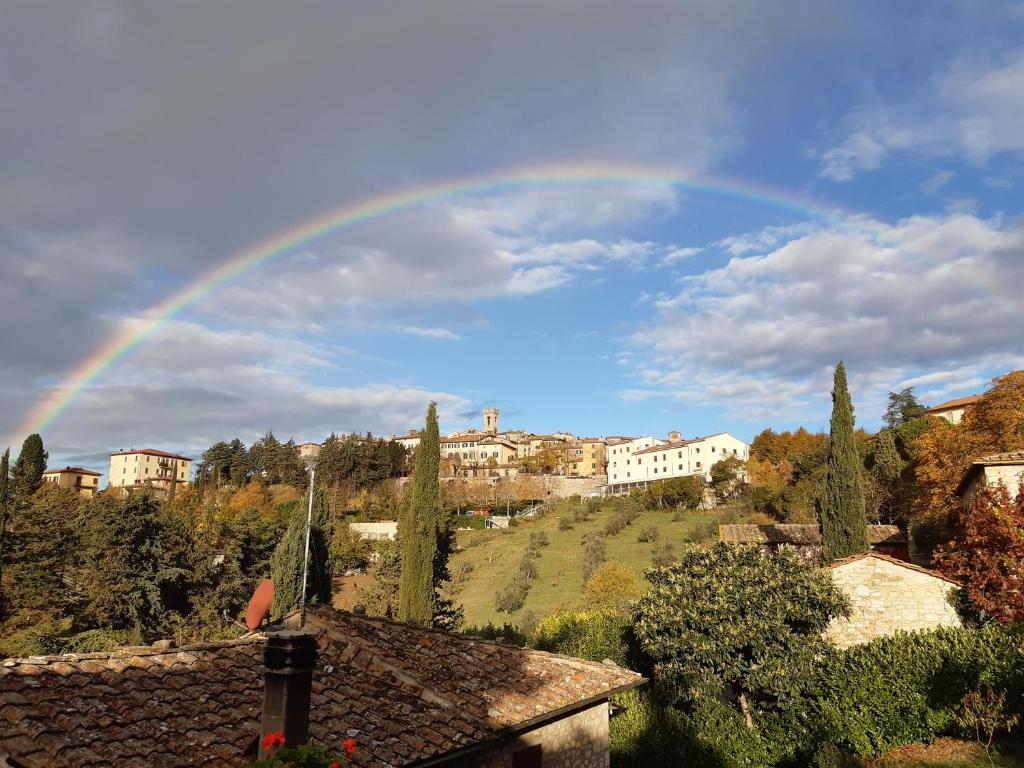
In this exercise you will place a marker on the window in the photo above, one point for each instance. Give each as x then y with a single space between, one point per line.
696 450
655 470
627 474
680 467
698 465
733 451
530 757
638 461
680 456
712 449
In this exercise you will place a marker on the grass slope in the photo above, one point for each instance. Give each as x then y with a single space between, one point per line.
494 557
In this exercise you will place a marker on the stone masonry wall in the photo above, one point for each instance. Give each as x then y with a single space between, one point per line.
887 597
578 741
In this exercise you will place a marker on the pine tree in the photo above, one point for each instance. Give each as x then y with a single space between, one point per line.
27 474
286 564
842 510
420 530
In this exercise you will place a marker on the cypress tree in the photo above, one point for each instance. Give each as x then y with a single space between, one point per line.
888 463
421 528
27 475
286 564
842 511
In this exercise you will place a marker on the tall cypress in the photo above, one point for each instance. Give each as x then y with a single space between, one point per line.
28 471
888 464
842 511
421 528
286 563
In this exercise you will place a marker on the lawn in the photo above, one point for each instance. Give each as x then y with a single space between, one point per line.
494 556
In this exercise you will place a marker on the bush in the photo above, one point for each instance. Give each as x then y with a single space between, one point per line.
584 634
649 533
511 597
506 633
664 554
564 524
538 539
594 554
614 524
582 514
906 688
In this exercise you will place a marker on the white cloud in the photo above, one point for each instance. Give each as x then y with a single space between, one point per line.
973 110
894 301
431 333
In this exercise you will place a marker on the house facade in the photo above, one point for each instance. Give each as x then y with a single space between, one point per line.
149 467
953 410
887 596
1006 468
84 482
637 463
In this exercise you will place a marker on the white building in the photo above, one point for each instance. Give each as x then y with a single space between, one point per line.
639 462
148 466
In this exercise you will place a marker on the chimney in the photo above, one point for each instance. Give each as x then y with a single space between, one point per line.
289 658
674 436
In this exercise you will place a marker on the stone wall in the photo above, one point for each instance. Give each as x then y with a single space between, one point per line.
886 597
577 741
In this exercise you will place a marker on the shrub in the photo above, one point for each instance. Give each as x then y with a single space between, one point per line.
593 506
594 553
906 688
511 597
649 533
564 524
613 587
506 633
582 514
664 554
538 539
590 635
614 524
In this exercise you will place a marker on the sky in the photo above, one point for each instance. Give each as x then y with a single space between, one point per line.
824 182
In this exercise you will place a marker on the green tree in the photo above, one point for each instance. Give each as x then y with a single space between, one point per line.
889 464
735 621
122 572
726 477
27 475
842 511
424 531
41 551
287 562
903 408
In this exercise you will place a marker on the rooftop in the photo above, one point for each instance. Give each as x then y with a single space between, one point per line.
950 405
73 471
152 452
678 443
788 533
404 693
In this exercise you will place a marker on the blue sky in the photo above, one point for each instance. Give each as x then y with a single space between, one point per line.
145 143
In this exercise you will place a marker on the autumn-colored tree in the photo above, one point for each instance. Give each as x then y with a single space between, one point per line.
612 587
986 554
944 452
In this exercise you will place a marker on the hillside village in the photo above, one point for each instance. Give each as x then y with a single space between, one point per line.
674 535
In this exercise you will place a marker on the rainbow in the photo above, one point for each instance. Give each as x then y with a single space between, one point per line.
120 344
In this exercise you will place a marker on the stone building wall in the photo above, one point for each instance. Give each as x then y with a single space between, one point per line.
886 597
577 741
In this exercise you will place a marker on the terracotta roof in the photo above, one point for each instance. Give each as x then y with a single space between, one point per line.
73 471
677 443
403 692
152 452
788 533
894 561
949 405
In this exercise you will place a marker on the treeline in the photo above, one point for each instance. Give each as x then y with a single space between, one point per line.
355 460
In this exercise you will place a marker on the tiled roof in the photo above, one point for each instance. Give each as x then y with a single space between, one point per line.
152 452
784 533
959 402
894 561
72 470
677 443
1007 457
403 692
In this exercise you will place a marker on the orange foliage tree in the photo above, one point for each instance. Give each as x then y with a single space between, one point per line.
987 554
944 452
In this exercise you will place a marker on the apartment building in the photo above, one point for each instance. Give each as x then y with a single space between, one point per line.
84 481
149 466
637 463
478 449
587 458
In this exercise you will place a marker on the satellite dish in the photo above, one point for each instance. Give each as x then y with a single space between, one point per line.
259 604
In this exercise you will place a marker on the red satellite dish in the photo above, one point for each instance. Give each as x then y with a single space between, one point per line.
259 604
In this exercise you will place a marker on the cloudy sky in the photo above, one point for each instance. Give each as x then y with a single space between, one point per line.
857 174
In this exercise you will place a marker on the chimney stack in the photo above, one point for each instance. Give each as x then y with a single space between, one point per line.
289 658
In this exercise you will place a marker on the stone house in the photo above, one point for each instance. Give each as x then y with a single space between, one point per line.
407 695
886 539
889 595
1007 468
82 481
953 410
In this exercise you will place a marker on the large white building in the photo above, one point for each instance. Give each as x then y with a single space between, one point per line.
148 466
638 462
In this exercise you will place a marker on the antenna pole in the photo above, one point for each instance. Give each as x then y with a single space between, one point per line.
305 560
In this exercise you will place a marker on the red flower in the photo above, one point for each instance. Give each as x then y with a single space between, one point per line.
349 745
274 739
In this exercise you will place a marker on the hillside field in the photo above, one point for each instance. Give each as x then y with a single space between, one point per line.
493 557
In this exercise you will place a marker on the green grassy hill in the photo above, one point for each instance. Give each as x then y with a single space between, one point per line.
486 560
